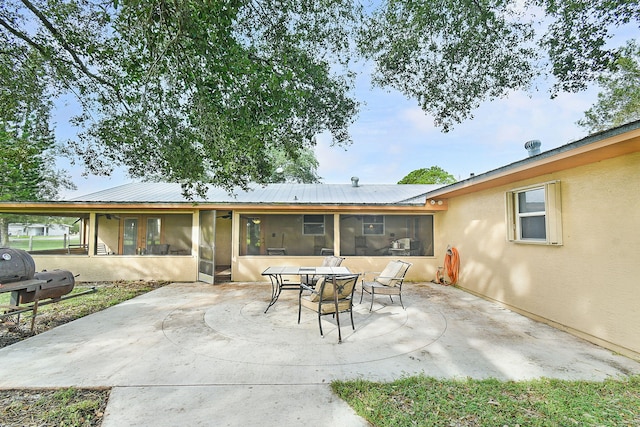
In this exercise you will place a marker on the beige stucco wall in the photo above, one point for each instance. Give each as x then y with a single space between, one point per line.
178 232
122 267
591 284
249 268
223 241
109 233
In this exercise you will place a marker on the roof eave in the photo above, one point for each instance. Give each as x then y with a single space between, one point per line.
593 148
67 206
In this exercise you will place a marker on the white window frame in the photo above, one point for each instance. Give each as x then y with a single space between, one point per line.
552 214
372 228
312 225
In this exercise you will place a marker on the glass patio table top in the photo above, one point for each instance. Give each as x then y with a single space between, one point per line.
278 283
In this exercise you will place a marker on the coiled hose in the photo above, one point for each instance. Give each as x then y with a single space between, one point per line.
452 264
452 267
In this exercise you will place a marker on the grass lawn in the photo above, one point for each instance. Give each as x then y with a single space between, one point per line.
41 243
424 401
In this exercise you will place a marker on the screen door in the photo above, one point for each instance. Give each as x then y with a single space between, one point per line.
206 252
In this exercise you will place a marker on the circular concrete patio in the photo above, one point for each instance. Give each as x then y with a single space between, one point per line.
385 332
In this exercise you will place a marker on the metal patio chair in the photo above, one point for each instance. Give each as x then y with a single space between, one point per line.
388 282
322 300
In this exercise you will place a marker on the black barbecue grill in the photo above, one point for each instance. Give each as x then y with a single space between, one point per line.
18 276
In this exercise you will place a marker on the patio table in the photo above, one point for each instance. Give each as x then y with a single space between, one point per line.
278 284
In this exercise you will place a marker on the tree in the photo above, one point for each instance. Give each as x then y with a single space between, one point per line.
619 101
432 175
27 148
27 145
451 55
194 91
197 92
302 169
29 172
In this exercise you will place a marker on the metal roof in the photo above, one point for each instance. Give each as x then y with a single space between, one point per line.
530 161
290 194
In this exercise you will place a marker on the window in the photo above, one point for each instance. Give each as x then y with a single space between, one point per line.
534 214
313 225
130 236
286 234
153 231
373 225
404 235
141 234
313 234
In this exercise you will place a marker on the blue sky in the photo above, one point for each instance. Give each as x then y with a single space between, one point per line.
392 136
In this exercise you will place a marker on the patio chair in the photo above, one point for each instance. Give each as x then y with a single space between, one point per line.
328 261
321 299
388 282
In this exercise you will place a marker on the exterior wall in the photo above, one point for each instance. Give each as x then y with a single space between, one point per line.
109 233
589 285
249 268
178 232
122 267
223 241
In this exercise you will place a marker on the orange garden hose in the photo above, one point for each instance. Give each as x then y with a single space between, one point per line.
452 264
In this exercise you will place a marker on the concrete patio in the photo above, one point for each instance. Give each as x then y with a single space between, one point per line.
197 354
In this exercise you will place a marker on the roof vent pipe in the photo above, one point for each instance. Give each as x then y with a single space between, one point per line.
354 181
533 147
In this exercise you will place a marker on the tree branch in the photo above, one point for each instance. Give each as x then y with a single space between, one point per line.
23 36
56 34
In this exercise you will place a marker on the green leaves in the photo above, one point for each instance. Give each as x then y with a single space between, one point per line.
453 55
450 55
197 92
23 162
26 140
191 91
212 86
432 175
619 101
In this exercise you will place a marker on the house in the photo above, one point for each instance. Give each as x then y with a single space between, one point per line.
556 236
553 236
17 229
151 231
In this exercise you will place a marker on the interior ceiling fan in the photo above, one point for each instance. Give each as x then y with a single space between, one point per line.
109 216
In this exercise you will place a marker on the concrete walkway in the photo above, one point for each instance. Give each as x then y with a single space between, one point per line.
195 354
